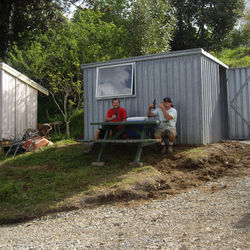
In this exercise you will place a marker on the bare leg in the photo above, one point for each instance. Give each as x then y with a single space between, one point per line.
171 140
157 136
96 137
162 143
97 134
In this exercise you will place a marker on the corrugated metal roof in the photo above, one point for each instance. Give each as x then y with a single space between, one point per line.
23 78
156 56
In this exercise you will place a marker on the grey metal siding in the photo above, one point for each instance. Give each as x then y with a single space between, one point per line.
239 103
178 77
211 101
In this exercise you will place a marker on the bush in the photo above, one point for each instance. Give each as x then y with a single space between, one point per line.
235 58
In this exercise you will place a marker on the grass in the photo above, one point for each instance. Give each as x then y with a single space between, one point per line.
33 184
238 57
195 152
60 177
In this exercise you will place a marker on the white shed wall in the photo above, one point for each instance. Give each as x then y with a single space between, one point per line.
18 108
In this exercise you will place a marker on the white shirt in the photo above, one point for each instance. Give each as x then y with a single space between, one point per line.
167 123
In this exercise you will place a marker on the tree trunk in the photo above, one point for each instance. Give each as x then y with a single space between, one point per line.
67 129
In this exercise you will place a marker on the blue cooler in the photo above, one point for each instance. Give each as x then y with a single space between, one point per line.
131 132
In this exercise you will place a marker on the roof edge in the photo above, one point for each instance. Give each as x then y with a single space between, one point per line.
23 78
153 57
214 58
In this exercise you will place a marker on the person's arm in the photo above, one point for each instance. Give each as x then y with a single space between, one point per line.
150 113
124 115
109 117
165 113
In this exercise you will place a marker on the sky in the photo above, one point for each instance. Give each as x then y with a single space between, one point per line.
247 3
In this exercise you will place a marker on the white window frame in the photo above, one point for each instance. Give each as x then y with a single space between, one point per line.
132 90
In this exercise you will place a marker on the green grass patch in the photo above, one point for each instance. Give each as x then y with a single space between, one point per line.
235 58
34 183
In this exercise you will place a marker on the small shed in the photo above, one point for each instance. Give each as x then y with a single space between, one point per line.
194 79
18 102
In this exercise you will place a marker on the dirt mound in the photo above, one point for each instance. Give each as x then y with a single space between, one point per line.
190 167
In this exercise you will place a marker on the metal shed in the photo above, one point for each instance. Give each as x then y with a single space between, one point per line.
194 79
18 102
239 103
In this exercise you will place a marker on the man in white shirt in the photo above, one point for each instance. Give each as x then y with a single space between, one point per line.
168 117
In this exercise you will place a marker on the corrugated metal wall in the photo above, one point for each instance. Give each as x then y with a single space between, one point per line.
239 103
213 95
18 107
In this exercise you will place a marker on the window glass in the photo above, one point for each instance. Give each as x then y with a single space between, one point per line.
115 81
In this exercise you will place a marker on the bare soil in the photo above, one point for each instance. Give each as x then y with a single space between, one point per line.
189 167
183 171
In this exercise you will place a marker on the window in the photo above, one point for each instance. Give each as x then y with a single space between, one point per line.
114 81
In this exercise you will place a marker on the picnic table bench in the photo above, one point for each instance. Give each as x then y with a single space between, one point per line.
143 130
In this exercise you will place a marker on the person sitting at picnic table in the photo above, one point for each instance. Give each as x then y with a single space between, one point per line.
114 114
167 128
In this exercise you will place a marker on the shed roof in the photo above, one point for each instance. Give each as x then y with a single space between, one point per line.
23 78
156 56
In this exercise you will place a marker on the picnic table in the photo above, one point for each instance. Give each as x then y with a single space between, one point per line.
143 130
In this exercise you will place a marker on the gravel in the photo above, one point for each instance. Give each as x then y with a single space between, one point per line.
214 216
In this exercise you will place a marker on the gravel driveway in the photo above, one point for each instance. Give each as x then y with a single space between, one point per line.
214 216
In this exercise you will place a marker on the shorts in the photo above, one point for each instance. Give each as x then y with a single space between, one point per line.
114 130
162 132
102 133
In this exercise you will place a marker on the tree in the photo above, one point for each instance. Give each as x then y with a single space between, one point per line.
147 24
98 40
53 59
151 26
205 23
21 21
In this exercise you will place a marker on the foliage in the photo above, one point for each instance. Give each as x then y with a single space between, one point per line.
116 11
238 57
22 20
98 40
205 23
151 26
53 59
147 24
76 128
240 36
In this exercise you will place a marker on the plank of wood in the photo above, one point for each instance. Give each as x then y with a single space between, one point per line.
127 141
